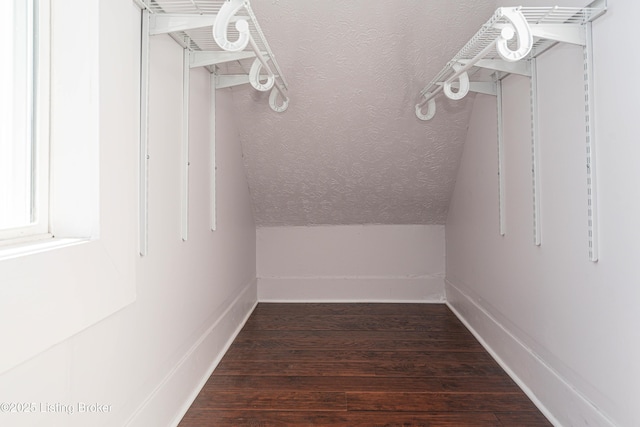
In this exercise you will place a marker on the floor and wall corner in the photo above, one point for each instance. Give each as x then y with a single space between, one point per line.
563 326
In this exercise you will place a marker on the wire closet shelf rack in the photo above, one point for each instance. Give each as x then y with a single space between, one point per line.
509 43
224 36
510 35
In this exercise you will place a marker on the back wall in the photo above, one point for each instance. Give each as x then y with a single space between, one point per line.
351 263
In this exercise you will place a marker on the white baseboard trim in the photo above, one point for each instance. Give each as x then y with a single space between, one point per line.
557 399
170 400
351 289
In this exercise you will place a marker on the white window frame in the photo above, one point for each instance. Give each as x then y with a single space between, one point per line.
57 287
37 39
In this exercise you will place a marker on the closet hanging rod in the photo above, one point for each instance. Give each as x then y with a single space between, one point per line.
458 72
510 35
210 30
254 77
220 33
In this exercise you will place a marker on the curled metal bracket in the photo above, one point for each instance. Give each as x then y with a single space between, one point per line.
463 88
431 110
221 25
278 100
518 27
254 77
273 100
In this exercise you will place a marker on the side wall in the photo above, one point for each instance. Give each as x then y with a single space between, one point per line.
564 326
351 263
144 363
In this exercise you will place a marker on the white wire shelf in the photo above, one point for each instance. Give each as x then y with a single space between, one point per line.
223 35
509 43
512 34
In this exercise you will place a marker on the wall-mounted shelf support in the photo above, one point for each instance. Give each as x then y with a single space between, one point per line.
502 220
508 44
202 59
535 152
213 219
231 81
184 143
522 68
592 195
143 158
223 36
165 23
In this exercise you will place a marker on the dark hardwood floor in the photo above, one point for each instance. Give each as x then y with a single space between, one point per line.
359 365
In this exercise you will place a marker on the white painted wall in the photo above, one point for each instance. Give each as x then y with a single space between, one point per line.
566 327
148 359
351 263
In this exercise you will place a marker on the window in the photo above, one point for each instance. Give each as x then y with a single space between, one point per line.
23 122
58 287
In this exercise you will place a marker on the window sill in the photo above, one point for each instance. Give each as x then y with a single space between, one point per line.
34 245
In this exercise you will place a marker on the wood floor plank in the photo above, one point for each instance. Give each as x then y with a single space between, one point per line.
274 400
322 336
437 402
492 384
358 340
342 322
523 419
348 355
366 309
275 361
332 419
373 367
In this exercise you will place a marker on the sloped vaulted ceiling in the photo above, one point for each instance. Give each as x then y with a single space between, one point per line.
349 150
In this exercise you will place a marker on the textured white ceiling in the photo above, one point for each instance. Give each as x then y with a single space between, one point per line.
349 150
